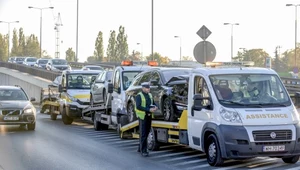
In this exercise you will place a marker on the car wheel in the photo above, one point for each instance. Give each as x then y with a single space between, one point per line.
52 114
97 125
65 118
152 143
213 151
31 126
291 160
168 111
131 113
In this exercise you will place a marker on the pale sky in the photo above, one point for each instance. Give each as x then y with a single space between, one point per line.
263 24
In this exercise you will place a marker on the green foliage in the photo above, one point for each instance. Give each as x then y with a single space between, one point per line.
25 45
111 48
3 48
135 56
91 59
15 44
122 46
32 47
70 55
159 58
21 46
258 56
99 49
187 58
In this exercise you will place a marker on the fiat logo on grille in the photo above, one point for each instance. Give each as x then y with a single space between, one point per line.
273 135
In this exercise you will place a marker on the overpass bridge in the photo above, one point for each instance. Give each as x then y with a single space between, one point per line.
33 80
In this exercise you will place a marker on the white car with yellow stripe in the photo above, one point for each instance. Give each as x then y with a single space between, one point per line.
75 93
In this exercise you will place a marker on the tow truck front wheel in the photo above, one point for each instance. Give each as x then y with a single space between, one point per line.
291 160
213 151
65 118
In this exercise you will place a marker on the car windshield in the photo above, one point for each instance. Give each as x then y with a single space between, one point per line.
109 75
31 59
43 61
94 68
12 94
59 62
168 74
127 78
244 90
80 81
20 59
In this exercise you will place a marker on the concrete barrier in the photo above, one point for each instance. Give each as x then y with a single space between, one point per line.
31 84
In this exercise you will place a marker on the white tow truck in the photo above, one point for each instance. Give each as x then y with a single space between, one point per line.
112 111
232 113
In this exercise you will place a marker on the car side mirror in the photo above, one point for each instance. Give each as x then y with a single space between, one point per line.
297 99
109 81
32 99
110 88
199 103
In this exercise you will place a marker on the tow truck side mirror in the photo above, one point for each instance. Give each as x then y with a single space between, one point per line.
297 99
110 88
198 103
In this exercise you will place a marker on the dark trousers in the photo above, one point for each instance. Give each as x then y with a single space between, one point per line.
144 127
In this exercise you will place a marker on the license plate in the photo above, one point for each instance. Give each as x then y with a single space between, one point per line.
11 118
273 148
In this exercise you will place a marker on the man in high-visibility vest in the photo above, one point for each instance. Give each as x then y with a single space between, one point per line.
145 107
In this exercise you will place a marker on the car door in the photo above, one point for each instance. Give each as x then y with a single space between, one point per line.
157 90
94 89
116 95
198 118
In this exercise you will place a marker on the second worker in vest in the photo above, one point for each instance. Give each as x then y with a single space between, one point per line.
145 107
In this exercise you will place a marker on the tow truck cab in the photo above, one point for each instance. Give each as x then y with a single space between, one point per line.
121 79
241 112
74 90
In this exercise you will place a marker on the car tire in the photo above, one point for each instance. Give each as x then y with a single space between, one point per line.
213 151
152 143
97 125
65 118
31 126
291 160
52 114
168 110
131 112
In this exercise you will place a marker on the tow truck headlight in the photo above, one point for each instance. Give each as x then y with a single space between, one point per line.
230 116
28 111
73 99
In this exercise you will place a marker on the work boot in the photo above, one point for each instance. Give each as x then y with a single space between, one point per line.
145 154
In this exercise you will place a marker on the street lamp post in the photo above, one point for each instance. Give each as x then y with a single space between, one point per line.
41 9
8 35
141 49
295 5
179 47
232 24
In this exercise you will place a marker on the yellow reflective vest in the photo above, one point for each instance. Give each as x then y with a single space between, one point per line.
139 113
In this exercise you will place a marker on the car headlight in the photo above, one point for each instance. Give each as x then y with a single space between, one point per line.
230 116
27 111
73 99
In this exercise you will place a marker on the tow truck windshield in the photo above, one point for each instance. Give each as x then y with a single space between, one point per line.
80 81
127 78
250 90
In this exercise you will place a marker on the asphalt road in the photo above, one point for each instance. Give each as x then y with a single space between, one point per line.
54 145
